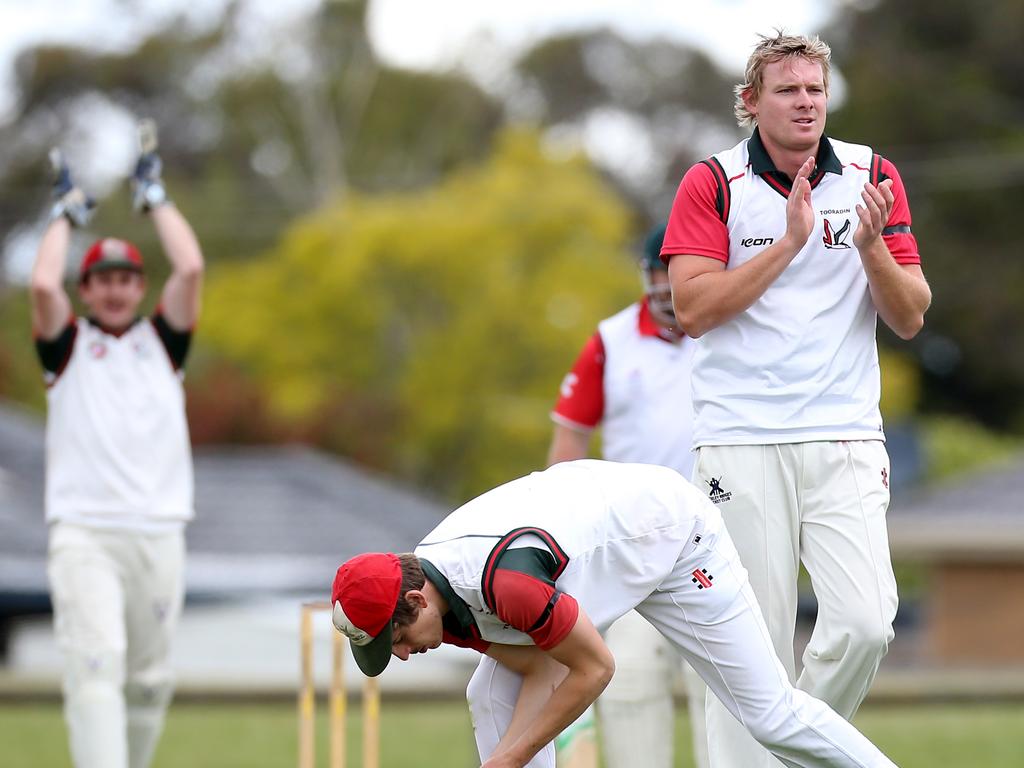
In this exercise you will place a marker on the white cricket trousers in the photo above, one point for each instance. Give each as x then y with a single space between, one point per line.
719 630
117 597
822 503
636 709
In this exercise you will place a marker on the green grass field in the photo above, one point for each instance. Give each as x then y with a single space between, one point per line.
437 735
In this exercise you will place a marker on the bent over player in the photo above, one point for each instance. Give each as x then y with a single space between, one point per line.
532 572
119 469
633 380
783 251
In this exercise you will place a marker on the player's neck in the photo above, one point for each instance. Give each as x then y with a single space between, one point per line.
435 597
788 161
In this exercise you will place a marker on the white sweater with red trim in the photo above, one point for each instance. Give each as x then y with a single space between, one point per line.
616 531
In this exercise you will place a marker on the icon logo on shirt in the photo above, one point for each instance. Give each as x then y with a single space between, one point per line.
98 350
717 494
836 238
702 578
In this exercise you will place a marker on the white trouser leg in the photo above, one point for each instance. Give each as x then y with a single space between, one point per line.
492 693
720 631
759 506
88 607
154 591
845 548
635 709
824 503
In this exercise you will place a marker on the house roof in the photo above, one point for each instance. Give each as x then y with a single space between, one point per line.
977 517
268 518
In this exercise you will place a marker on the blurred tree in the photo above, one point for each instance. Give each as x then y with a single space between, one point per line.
427 332
646 110
956 446
901 385
940 90
254 137
20 375
250 138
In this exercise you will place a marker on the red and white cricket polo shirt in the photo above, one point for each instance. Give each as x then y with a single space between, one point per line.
801 363
632 379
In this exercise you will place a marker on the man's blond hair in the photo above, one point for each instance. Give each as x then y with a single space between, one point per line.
770 50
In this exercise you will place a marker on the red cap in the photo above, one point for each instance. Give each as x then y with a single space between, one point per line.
365 594
110 253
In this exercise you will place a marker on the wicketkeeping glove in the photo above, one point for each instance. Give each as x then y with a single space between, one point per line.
148 191
69 200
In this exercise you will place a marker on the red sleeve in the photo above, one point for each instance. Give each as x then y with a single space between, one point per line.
465 642
897 233
533 606
694 226
581 397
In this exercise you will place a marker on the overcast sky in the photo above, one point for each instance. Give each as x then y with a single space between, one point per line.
479 36
439 33
423 34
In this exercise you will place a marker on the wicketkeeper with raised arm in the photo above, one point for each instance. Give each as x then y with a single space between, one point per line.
119 466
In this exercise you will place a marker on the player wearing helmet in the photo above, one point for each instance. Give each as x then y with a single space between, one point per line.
633 380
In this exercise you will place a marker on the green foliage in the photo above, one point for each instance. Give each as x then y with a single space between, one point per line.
672 94
956 446
427 332
248 142
901 385
937 88
21 377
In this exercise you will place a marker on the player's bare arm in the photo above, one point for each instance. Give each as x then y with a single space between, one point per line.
899 292
541 675
590 667
180 300
568 444
706 294
51 307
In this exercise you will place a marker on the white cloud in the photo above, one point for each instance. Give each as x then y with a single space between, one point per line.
443 32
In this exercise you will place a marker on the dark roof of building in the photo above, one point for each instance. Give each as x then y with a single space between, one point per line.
267 518
980 516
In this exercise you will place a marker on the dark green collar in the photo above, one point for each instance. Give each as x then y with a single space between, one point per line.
761 162
456 605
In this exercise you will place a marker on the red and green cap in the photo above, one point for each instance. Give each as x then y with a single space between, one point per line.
110 253
365 594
